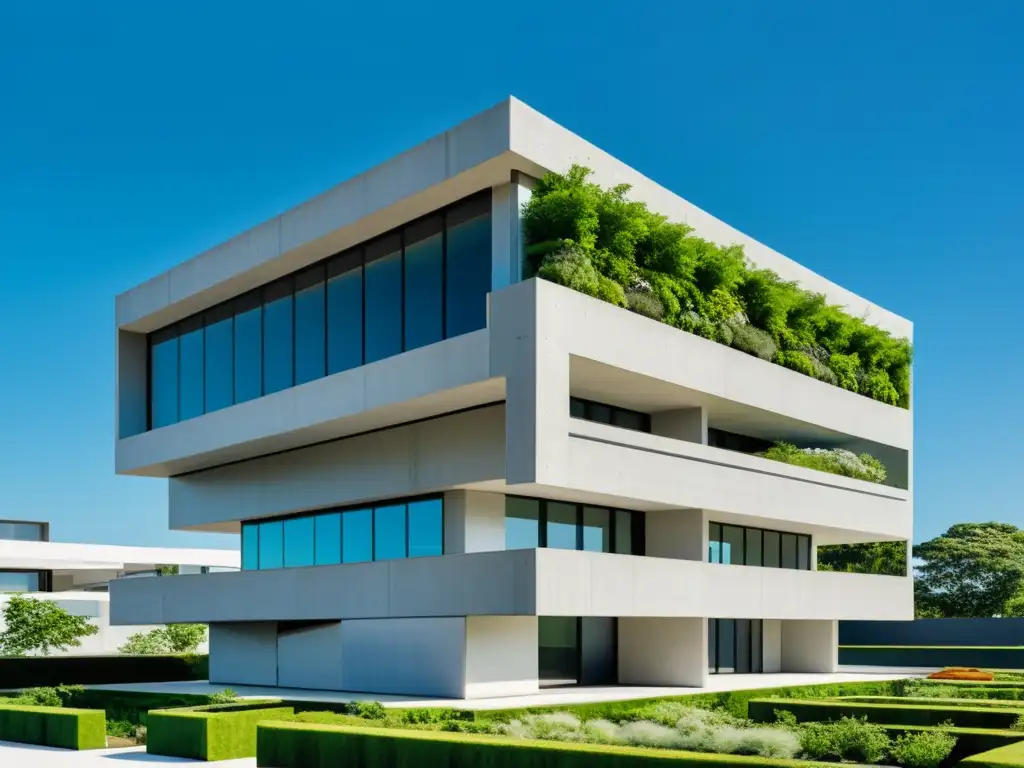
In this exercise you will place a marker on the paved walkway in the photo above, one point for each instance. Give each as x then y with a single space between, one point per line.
18 755
546 697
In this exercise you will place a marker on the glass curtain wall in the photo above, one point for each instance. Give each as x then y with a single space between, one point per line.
423 282
388 531
532 523
735 646
609 414
740 545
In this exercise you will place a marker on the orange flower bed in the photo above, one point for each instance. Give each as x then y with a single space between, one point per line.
962 673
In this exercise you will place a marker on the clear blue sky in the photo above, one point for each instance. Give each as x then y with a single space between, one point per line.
878 143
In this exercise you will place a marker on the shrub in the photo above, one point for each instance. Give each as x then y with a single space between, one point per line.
849 738
215 732
927 749
227 696
895 713
837 461
962 673
53 726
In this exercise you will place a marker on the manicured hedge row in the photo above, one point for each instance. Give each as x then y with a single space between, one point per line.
54 727
896 656
1018 684
302 745
212 732
969 741
735 702
1009 756
763 710
51 671
939 702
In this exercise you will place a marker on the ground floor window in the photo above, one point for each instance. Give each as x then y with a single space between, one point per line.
575 650
735 646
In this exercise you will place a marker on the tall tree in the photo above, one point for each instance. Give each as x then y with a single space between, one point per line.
881 557
40 626
972 570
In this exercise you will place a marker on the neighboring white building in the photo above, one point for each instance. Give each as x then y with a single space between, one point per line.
76 576
530 493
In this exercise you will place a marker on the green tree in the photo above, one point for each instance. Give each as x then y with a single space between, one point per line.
888 558
174 638
40 626
972 570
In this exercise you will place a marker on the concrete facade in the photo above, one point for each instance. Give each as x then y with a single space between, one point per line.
479 422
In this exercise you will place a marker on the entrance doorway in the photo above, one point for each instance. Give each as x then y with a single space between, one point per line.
735 646
575 650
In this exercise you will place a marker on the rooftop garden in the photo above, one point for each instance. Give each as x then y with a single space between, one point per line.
601 243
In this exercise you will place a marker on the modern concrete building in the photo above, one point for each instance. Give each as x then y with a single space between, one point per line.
451 481
77 576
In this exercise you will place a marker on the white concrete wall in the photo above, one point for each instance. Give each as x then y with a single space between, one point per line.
310 657
690 424
663 651
677 533
422 657
130 395
244 654
771 645
501 656
474 521
810 646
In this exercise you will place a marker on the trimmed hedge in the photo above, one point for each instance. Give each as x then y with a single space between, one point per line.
763 710
301 745
54 727
51 671
906 656
211 732
938 702
1009 756
969 741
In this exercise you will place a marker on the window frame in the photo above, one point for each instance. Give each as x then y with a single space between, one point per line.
638 538
804 543
590 406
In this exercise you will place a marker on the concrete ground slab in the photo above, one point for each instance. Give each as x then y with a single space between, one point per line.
545 698
30 756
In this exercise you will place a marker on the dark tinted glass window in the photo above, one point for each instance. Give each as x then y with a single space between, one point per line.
712 645
629 420
743 646
803 553
383 274
754 537
345 312
577 408
559 649
468 266
250 546
328 539
190 402
426 528
624 532
298 542
164 381
771 549
756 651
357 536
310 326
248 349
789 559
271 545
522 523
599 412
389 532
561 527
219 363
423 277
596 529
726 645
732 545
278 330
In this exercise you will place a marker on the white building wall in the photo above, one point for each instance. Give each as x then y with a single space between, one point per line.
474 521
771 644
810 646
244 654
663 651
501 656
310 657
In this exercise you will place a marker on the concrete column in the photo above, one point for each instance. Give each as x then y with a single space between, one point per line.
810 646
507 243
771 645
661 651
474 521
680 534
690 424
501 656
130 382
244 653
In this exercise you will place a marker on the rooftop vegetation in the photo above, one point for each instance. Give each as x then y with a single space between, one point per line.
597 241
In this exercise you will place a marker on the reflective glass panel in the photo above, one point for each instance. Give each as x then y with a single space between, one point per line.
577 408
522 523
21 531
596 529
191 380
559 656
789 559
298 542
712 645
599 412
164 383
803 553
249 354
624 532
468 266
250 546
277 341
753 546
383 299
732 545
771 549
743 642
426 528
726 645
345 312
756 654
715 543
629 420
357 536
389 532
423 265
310 327
271 545
561 526
19 581
328 539
219 364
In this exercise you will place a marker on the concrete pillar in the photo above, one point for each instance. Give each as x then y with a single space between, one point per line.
501 656
130 383
474 521
680 534
810 646
690 424
771 645
663 651
507 242
244 653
